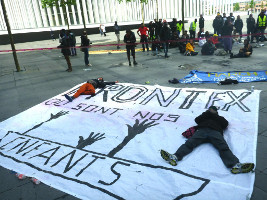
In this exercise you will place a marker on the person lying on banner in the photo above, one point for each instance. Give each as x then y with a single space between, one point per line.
209 130
89 88
246 51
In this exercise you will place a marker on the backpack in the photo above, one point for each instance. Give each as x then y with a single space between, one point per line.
189 132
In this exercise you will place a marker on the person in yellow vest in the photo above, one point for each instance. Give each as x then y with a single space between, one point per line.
261 25
179 26
192 29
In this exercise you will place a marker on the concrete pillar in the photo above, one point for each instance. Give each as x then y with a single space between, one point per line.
79 12
198 8
56 16
187 8
74 15
180 9
43 14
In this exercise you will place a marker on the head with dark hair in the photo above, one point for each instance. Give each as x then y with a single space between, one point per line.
128 31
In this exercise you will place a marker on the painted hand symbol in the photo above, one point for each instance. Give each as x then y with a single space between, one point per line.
138 128
59 114
90 140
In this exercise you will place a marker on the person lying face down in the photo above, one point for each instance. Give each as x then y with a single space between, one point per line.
89 88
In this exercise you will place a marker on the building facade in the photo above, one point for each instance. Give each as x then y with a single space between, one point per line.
29 14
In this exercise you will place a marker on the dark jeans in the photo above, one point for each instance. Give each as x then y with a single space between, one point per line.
144 39
250 32
240 33
192 34
86 56
67 58
207 135
166 48
261 34
130 50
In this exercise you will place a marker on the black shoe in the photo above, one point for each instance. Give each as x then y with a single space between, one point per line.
144 50
130 63
70 99
231 55
135 63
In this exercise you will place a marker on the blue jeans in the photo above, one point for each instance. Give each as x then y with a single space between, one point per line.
86 56
166 48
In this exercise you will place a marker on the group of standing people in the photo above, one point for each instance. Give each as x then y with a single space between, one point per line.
67 45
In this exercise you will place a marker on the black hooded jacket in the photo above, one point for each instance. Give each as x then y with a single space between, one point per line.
212 120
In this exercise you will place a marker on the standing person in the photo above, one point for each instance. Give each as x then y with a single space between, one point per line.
73 43
143 33
232 17
250 27
65 49
192 29
239 26
165 35
227 35
179 27
173 25
261 25
201 22
156 28
85 42
218 24
102 30
117 33
224 18
130 40
210 130
62 33
151 29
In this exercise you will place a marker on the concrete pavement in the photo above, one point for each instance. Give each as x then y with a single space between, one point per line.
43 76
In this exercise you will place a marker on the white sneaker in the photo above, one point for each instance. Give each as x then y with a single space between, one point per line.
89 65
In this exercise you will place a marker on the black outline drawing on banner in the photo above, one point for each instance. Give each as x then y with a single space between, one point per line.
97 156
134 130
90 140
59 114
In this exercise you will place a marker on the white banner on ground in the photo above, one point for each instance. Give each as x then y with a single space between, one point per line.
108 146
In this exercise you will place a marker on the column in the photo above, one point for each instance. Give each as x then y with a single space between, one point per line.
43 14
179 10
95 10
198 8
38 13
89 13
56 16
74 14
186 4
79 12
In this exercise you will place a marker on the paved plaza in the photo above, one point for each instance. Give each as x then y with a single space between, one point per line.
43 76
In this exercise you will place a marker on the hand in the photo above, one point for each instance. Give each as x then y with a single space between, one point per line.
59 114
90 140
140 128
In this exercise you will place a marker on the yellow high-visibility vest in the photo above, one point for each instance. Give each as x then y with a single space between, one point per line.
179 27
262 22
193 26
